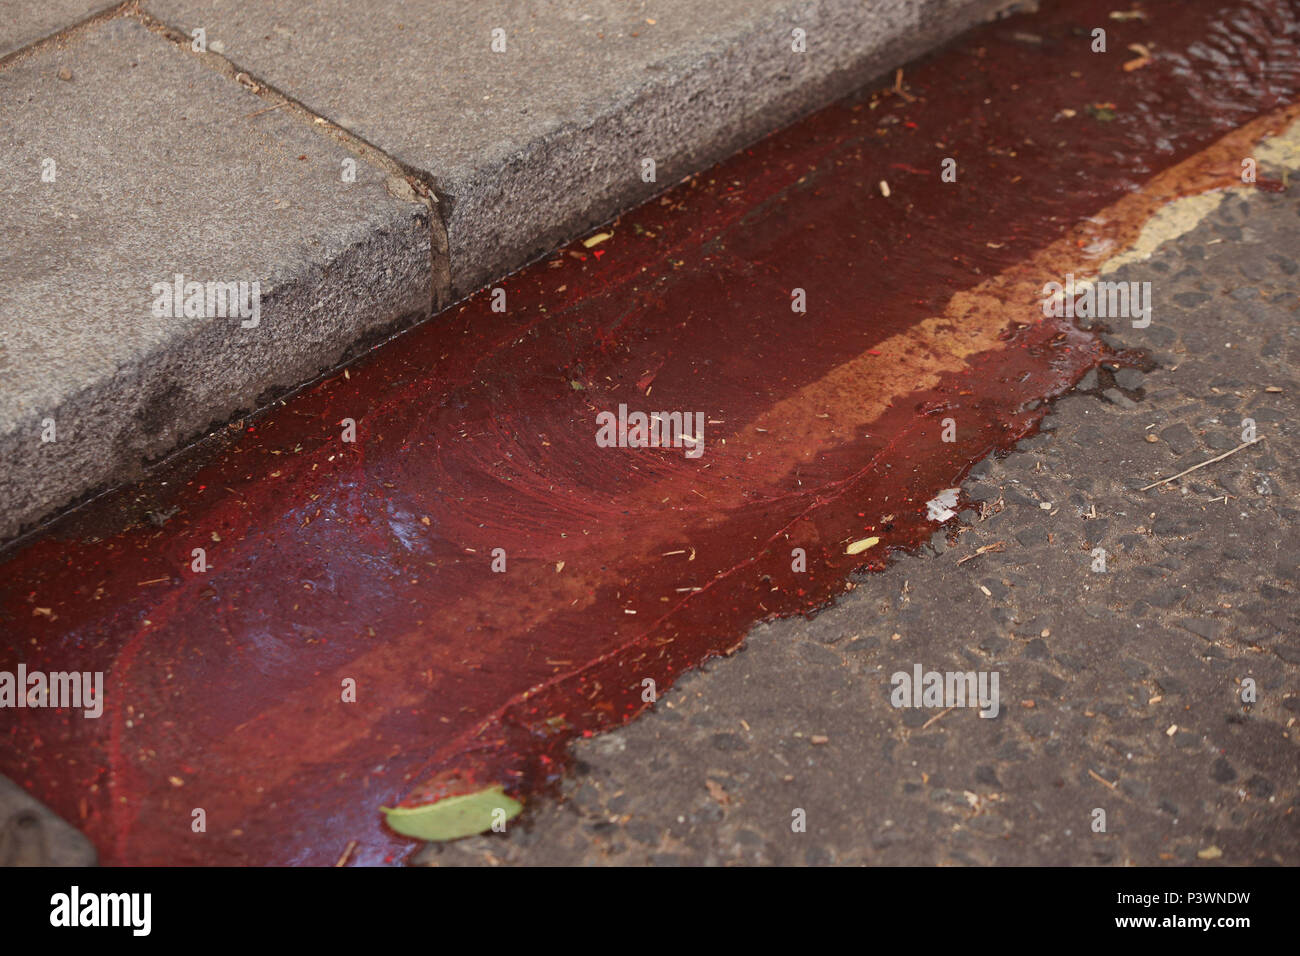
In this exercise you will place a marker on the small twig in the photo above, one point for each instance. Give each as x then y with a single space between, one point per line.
347 853
1165 481
267 110
936 717
1100 779
984 549
898 87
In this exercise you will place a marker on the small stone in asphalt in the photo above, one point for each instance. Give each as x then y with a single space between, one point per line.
1116 397
1129 379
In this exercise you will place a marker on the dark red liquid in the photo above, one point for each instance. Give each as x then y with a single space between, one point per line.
372 561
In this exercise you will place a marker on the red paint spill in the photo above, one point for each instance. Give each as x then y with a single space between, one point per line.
372 562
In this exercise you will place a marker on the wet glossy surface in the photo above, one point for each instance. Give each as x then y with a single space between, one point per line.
372 561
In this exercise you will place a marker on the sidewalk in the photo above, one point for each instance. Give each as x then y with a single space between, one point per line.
342 174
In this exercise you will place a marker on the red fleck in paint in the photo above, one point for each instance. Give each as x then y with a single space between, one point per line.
369 566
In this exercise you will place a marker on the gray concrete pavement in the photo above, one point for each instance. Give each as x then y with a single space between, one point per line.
543 137
127 162
1121 690
129 158
23 23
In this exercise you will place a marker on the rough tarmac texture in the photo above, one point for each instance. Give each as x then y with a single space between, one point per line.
531 145
1119 690
32 835
161 166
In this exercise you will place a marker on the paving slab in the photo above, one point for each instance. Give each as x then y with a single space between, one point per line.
532 144
23 23
129 162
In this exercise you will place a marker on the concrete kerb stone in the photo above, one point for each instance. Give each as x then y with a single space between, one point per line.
130 163
24 24
531 146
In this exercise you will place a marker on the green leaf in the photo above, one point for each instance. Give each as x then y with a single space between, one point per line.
857 547
453 817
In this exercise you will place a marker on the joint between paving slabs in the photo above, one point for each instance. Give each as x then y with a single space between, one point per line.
402 182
